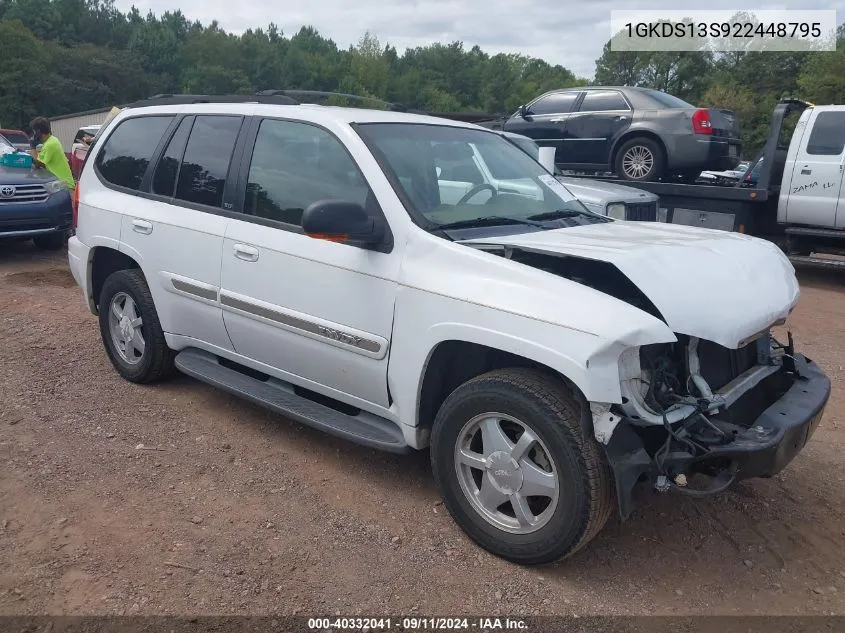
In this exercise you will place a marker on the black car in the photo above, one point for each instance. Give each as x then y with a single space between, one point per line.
637 133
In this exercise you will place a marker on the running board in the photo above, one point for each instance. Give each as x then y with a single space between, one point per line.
276 395
817 262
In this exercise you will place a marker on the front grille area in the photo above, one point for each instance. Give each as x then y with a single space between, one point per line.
22 193
641 211
720 365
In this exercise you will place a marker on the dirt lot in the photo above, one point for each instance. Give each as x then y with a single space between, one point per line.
229 509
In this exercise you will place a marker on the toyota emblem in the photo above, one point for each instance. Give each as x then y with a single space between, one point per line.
7 191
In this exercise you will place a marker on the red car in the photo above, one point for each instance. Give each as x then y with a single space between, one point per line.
17 138
80 147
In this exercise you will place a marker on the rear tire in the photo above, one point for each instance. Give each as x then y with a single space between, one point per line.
491 498
131 331
51 241
640 159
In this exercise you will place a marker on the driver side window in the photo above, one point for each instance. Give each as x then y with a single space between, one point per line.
295 164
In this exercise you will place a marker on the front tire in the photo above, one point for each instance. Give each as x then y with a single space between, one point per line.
131 331
639 160
515 468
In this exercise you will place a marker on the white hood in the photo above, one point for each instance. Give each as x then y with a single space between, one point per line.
715 285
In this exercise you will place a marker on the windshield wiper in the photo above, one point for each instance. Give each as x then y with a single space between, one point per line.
565 213
489 220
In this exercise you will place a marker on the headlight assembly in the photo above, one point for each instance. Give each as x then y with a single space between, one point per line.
616 210
55 186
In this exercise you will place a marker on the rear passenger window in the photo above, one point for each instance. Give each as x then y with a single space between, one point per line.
202 175
127 152
828 135
164 178
602 101
296 164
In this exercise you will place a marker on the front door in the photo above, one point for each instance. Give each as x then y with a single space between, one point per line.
319 312
816 186
546 122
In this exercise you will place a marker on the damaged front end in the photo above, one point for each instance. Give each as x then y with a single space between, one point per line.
695 410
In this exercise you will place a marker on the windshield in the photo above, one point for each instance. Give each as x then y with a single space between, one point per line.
457 176
4 142
667 100
16 137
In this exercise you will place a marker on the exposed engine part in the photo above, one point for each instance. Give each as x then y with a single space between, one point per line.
604 421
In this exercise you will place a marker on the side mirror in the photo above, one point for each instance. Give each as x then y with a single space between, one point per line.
341 221
523 111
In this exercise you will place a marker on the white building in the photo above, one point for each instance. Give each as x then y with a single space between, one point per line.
66 126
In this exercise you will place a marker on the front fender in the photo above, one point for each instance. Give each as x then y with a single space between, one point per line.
588 360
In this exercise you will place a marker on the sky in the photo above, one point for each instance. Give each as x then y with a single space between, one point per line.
566 32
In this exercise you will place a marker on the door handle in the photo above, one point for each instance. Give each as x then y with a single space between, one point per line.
142 226
246 253
621 118
556 120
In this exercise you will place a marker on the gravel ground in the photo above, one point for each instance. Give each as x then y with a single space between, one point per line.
179 499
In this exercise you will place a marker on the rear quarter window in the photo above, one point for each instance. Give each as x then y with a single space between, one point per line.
126 154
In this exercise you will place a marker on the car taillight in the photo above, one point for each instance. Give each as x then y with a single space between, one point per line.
75 205
701 122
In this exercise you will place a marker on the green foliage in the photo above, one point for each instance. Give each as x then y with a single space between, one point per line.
63 56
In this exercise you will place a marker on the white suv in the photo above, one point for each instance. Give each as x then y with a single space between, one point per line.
332 265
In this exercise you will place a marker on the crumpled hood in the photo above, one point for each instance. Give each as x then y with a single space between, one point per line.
715 285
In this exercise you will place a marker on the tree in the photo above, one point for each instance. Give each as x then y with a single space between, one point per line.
822 78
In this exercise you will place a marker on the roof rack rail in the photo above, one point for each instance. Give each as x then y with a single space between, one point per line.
183 99
300 94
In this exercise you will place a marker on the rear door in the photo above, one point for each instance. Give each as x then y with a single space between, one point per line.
602 115
546 121
176 229
817 179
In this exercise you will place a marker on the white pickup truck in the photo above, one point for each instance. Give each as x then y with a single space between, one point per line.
317 261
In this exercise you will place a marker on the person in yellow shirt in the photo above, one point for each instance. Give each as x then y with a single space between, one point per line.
52 155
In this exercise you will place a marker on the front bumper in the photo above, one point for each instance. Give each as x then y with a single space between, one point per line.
29 219
764 449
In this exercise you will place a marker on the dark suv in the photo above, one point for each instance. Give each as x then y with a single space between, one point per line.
638 133
35 205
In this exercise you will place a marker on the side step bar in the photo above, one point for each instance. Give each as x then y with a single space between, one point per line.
817 262
276 395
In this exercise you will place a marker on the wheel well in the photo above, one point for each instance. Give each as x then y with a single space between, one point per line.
452 363
637 134
105 262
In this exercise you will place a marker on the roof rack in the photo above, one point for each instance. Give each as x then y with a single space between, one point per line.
295 97
183 99
299 94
